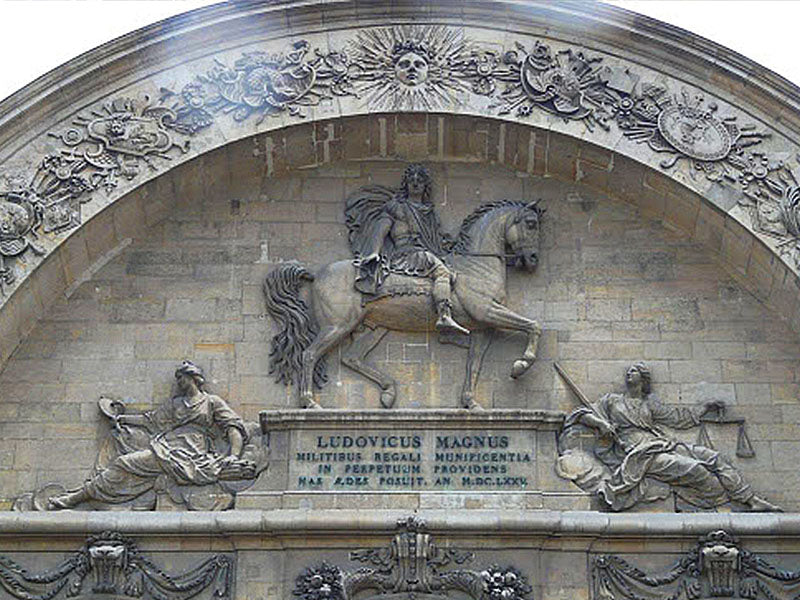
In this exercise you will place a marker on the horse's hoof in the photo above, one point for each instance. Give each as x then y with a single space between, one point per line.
472 405
520 366
308 402
387 397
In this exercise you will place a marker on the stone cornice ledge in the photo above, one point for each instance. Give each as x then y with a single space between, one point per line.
580 524
441 418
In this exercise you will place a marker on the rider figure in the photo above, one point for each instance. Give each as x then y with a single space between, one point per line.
408 236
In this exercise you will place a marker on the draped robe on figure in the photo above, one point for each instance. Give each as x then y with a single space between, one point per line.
181 445
642 452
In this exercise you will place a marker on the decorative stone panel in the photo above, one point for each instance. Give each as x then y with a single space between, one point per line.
648 103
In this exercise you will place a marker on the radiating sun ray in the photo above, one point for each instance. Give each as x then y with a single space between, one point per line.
410 66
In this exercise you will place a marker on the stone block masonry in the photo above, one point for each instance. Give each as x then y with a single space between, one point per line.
616 283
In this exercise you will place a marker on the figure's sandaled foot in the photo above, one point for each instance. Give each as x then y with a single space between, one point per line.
468 402
757 504
447 324
66 500
57 503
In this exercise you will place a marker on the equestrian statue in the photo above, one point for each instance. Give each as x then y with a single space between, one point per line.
407 275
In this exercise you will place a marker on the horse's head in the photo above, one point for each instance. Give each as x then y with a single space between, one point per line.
522 236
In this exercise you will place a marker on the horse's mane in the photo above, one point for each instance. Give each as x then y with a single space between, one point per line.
463 239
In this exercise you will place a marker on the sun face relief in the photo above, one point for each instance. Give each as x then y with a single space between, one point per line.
411 69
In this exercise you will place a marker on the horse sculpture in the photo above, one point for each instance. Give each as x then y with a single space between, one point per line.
495 235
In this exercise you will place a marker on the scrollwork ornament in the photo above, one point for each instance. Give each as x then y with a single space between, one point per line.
117 568
566 83
687 127
116 141
772 198
100 147
261 83
717 567
48 203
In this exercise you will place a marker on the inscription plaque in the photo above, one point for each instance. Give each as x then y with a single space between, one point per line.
383 459
424 451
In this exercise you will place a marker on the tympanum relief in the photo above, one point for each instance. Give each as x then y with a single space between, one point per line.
193 449
620 449
406 275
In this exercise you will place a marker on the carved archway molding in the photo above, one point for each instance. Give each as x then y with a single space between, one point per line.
691 132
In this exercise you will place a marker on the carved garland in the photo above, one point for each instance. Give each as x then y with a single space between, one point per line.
411 565
118 568
718 567
420 67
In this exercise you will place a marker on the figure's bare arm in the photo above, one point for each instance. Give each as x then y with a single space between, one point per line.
236 440
136 420
677 417
594 421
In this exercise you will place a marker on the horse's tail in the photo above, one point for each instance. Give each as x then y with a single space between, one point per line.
296 322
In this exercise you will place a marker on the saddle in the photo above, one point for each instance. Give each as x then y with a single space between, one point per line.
397 284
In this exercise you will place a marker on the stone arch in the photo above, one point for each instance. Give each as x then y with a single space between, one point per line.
167 80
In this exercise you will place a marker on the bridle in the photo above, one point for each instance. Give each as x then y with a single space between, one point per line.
517 254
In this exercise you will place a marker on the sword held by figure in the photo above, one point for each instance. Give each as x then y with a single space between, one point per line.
605 428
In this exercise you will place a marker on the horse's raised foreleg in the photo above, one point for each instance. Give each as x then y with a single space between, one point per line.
325 340
479 343
355 358
502 317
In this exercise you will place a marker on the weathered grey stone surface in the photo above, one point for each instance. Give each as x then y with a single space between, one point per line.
613 286
750 220
638 261
552 550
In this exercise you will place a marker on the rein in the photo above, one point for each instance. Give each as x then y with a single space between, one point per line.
493 255
486 254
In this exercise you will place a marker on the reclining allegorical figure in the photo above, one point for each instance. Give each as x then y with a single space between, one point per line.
633 459
193 447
